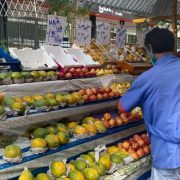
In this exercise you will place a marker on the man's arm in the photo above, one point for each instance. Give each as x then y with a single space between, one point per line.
132 98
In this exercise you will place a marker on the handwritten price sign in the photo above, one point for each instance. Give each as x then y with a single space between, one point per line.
120 36
103 31
55 29
83 32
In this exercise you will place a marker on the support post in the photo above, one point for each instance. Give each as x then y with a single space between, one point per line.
174 21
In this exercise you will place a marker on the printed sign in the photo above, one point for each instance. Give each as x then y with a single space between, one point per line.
83 32
55 29
103 31
120 37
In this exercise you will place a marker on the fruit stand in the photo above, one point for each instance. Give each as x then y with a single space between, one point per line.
59 114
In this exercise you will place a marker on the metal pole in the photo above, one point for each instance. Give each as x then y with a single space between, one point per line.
3 23
174 21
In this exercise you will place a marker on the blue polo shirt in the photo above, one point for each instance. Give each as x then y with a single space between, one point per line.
157 92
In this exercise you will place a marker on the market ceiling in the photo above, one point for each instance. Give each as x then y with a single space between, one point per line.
136 8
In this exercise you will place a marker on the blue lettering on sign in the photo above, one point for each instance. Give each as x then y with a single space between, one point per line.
54 22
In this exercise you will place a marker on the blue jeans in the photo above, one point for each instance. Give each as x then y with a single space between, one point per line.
165 174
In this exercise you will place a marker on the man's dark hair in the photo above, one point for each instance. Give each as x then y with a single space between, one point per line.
161 40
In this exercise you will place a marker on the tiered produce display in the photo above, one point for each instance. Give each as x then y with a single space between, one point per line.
61 128
98 163
18 106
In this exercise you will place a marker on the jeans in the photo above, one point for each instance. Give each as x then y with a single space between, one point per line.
165 174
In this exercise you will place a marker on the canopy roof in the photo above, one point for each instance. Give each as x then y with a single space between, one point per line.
139 7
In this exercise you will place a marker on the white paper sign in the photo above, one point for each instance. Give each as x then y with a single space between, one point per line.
83 32
120 37
103 31
55 29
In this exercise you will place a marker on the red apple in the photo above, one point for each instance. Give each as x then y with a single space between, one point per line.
141 142
107 89
72 70
135 146
94 90
92 98
61 74
81 74
145 138
119 121
111 94
99 96
105 95
126 145
68 76
131 141
74 74
78 70
140 153
101 90
82 92
87 74
89 92
136 137
135 156
85 69
130 150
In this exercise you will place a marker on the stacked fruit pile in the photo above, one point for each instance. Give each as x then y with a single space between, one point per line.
81 72
108 69
110 121
85 72
94 94
27 77
90 166
46 102
134 54
137 146
120 87
89 126
53 136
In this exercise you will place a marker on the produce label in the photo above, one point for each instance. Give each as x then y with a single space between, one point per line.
55 29
120 37
103 31
83 32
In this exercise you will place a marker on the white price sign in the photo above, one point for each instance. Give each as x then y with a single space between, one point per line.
103 31
55 29
83 32
120 36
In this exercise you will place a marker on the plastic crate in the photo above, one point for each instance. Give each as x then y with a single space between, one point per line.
10 64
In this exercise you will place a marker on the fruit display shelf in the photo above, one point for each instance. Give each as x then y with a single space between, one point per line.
11 124
71 149
61 85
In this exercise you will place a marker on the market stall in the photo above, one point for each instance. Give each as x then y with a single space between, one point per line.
58 106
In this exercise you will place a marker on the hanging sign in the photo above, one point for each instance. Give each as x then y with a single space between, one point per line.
120 37
83 32
103 31
55 29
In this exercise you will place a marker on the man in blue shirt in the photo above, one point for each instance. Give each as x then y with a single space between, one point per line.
157 92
